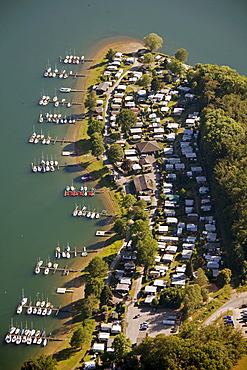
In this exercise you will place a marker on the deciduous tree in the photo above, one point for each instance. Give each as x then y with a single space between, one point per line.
121 346
223 277
121 226
42 362
90 101
94 286
128 201
148 58
181 55
106 296
97 268
95 126
156 84
97 144
90 304
126 119
153 42
115 153
79 337
110 54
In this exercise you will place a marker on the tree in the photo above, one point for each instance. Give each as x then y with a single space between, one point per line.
140 230
126 119
181 55
90 304
145 80
115 153
141 215
201 278
121 346
223 277
97 268
90 101
94 286
172 297
78 338
155 301
127 165
95 126
141 203
156 84
43 362
146 251
128 201
110 55
121 226
177 68
106 296
153 41
148 58
192 299
97 144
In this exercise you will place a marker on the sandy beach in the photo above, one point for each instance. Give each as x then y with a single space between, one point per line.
97 53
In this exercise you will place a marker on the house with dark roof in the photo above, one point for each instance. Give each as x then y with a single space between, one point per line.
102 88
143 184
146 147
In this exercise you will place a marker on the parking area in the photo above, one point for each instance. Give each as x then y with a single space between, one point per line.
154 319
239 317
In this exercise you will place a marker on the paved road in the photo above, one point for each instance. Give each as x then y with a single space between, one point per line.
230 305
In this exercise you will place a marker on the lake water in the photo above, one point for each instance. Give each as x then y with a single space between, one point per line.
34 214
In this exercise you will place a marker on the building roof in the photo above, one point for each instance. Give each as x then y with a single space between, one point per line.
143 183
148 146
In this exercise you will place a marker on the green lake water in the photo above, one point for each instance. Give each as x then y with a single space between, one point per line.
34 213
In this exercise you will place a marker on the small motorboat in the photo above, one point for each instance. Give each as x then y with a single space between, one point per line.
23 301
13 338
37 333
8 338
46 271
42 304
29 310
19 309
44 343
18 339
27 332
34 340
44 312
37 270
24 339
67 255
32 332
39 311
39 341
49 312
29 340
12 330
38 303
17 331
49 264
35 309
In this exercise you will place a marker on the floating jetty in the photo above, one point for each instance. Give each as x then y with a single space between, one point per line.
46 269
68 252
29 337
57 118
103 233
64 290
63 74
45 100
74 59
35 139
83 193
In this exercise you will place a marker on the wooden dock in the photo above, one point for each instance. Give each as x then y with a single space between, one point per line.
65 270
81 61
74 75
52 308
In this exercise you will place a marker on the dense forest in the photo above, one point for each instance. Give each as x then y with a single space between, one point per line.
222 95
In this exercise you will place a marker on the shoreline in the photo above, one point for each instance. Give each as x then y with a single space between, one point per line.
97 52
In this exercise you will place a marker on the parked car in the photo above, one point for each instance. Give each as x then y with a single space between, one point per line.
136 316
227 317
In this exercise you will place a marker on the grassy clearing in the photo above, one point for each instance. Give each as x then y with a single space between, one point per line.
241 289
